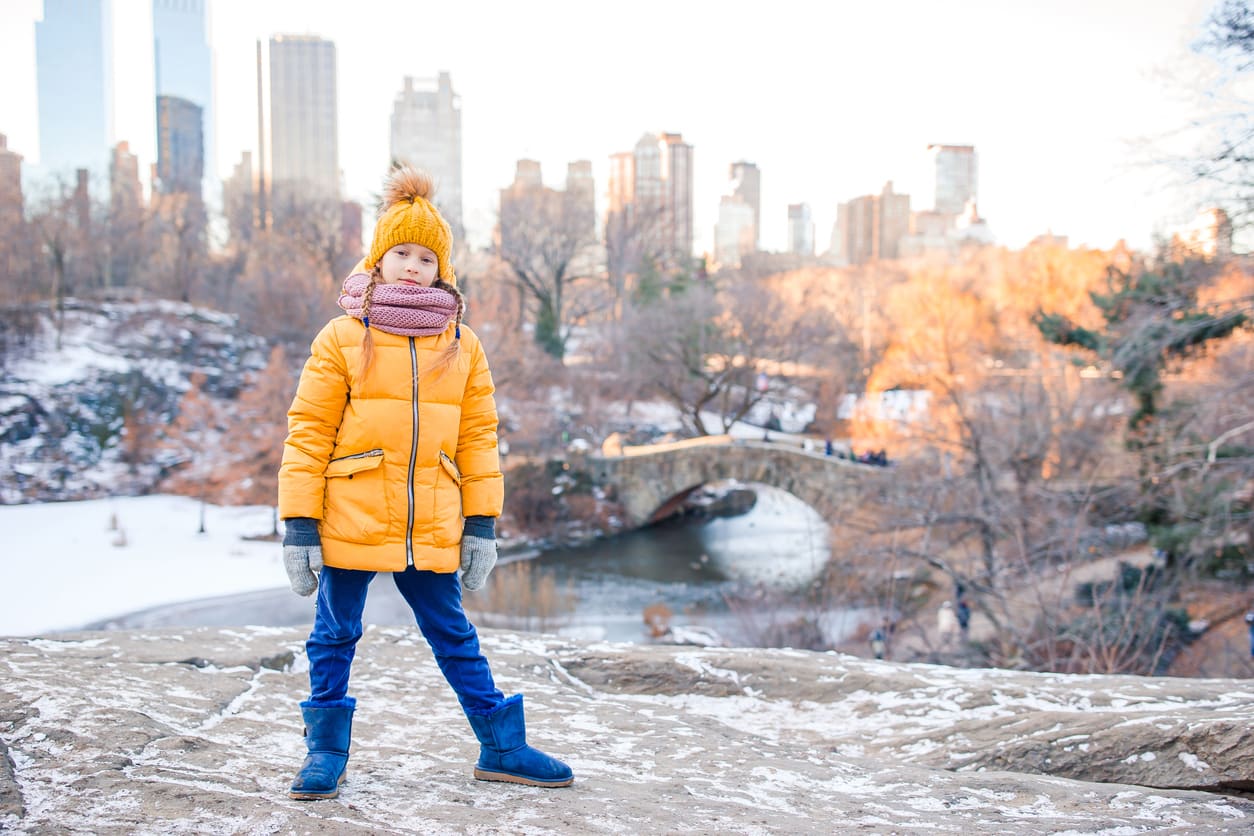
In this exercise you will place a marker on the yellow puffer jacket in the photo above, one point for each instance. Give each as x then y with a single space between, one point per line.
390 464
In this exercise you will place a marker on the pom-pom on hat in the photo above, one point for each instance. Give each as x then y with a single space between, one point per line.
407 216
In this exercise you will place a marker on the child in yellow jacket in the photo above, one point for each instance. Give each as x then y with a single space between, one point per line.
391 465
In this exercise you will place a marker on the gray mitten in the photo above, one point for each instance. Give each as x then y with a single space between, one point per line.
478 558
302 554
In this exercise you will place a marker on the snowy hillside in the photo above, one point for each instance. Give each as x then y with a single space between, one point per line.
81 413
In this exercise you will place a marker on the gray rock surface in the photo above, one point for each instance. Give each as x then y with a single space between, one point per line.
200 731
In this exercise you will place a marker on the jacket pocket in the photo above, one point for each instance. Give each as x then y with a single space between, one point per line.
450 468
447 514
356 507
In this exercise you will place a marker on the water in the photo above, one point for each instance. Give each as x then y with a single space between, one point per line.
683 572
691 569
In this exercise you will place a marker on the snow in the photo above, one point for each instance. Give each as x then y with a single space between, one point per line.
61 569
77 358
66 392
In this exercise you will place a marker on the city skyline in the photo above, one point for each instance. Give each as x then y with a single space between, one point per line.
1054 117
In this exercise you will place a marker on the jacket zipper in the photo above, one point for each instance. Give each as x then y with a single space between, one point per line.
413 459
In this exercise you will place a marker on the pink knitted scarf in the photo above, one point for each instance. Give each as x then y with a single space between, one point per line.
407 310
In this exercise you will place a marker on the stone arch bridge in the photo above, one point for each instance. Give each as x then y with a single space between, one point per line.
651 481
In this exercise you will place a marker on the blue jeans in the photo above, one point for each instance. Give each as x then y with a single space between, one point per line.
435 598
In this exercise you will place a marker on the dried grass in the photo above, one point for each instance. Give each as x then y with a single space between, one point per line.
520 596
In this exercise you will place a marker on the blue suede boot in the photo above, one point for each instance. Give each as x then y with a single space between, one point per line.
328 729
504 754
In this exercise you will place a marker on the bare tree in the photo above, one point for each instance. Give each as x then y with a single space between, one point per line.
544 238
634 254
312 222
179 258
190 440
1000 481
254 448
127 236
283 292
722 351
1227 164
58 219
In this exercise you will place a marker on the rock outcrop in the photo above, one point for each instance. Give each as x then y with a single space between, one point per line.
199 731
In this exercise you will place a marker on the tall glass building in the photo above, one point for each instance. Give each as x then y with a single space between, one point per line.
74 78
304 143
183 64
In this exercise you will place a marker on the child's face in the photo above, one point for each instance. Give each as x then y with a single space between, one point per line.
411 264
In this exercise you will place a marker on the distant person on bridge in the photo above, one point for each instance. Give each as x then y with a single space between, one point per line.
391 440
879 643
963 614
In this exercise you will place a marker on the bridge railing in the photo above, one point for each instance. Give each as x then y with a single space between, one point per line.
613 447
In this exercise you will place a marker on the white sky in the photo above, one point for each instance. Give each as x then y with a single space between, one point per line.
830 98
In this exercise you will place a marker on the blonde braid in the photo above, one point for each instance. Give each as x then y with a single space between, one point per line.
367 341
449 356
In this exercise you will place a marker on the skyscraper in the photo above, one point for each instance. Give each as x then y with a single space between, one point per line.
676 157
650 197
746 184
538 221
183 63
11 202
954 167
427 133
304 148
125 191
525 200
622 184
871 227
180 146
11 199
800 229
239 200
581 194
527 174
736 233
733 234
74 72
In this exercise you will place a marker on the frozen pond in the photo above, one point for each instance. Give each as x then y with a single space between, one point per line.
685 568
688 569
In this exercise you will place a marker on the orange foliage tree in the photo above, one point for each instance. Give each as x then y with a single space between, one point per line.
994 477
253 449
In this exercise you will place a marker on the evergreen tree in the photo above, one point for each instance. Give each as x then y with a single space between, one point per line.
1153 322
1156 325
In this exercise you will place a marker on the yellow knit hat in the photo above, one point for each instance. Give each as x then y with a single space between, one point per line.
407 216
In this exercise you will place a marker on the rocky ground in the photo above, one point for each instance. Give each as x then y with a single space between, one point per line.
199 731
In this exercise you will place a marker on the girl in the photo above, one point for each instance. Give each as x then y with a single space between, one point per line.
391 465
